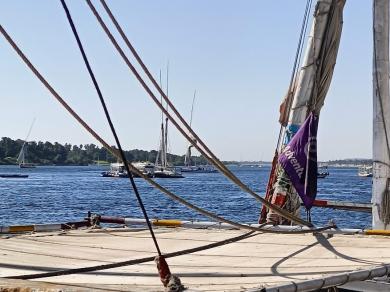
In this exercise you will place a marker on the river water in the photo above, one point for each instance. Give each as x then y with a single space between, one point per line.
58 194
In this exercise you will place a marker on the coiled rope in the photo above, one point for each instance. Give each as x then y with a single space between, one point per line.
192 137
134 169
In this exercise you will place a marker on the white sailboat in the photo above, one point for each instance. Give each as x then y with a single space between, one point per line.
21 160
163 169
189 166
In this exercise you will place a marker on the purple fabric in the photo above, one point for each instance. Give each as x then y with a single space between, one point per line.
299 160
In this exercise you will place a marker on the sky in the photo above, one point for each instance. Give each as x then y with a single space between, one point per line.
237 55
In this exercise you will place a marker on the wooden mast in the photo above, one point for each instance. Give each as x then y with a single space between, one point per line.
381 117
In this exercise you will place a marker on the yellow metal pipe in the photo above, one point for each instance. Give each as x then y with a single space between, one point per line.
168 223
24 228
377 232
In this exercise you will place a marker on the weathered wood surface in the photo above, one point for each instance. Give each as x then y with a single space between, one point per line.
265 259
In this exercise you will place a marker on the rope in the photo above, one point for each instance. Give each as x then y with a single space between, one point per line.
132 262
131 167
194 140
122 155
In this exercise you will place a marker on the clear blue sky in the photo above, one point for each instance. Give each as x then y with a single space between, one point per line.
238 55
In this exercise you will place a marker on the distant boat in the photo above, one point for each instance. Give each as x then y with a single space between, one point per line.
322 172
10 175
23 152
365 171
252 165
119 170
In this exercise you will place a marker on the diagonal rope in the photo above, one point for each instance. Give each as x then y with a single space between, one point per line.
194 140
122 155
134 169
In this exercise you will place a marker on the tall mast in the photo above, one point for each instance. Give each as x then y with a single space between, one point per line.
166 124
381 117
187 157
160 153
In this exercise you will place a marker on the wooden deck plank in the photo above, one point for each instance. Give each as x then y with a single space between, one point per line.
265 259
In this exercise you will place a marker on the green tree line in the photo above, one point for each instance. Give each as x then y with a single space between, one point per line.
46 153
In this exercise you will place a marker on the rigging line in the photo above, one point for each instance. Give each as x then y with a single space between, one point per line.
299 50
295 69
133 262
192 107
123 157
132 168
210 156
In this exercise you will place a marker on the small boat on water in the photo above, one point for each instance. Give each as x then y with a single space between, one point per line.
167 172
198 169
118 170
322 172
23 152
13 175
365 171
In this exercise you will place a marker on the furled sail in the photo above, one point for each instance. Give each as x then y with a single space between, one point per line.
309 92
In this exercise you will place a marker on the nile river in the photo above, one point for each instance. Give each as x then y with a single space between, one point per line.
66 193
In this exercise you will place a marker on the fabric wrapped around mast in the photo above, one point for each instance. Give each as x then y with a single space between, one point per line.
299 160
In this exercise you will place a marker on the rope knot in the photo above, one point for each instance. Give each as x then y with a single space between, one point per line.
171 282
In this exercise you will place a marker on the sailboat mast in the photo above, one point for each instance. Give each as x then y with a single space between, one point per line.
166 125
187 157
22 153
160 153
381 117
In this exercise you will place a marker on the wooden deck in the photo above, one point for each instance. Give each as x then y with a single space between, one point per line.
261 260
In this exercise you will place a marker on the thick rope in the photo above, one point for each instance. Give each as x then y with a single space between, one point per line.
193 138
101 98
131 167
132 262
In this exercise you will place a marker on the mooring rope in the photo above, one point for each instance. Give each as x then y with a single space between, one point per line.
102 101
134 169
194 139
132 262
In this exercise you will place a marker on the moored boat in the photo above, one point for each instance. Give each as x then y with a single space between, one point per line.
118 170
13 175
365 171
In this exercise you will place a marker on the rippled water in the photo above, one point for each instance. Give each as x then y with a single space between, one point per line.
61 194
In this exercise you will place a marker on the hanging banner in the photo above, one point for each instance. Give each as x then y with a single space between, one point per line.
299 160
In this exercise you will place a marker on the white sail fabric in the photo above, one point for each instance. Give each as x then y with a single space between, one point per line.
320 58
